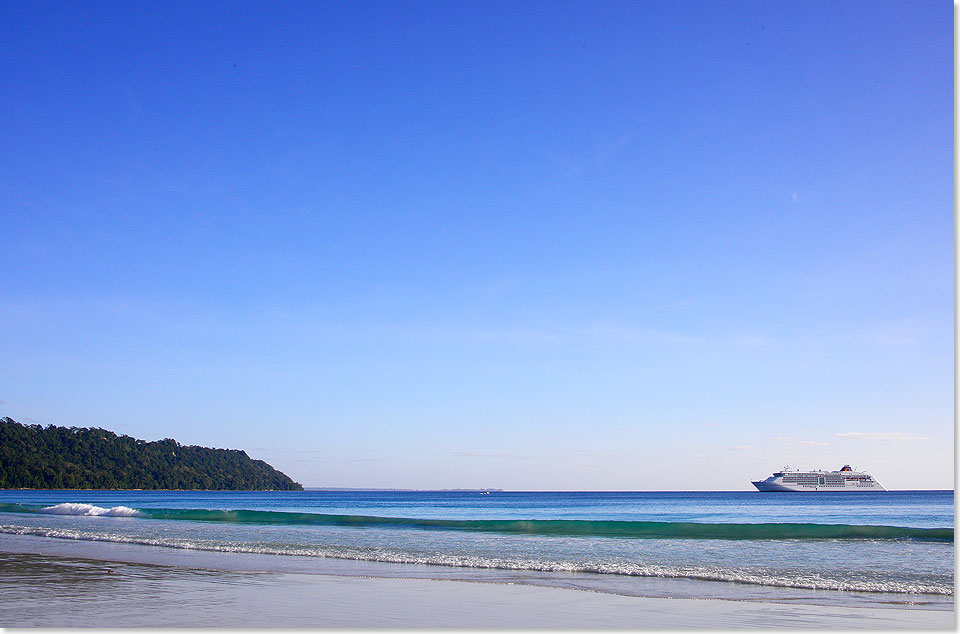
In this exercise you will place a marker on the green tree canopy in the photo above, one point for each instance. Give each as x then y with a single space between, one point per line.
37 457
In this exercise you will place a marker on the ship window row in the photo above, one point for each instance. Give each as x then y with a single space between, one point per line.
814 478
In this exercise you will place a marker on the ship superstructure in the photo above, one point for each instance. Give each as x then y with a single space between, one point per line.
846 479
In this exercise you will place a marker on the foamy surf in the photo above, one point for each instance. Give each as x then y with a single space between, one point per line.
893 543
744 575
74 508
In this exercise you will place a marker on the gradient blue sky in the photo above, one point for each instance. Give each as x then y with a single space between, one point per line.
596 245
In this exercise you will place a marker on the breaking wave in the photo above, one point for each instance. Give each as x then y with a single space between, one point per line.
559 528
813 581
72 508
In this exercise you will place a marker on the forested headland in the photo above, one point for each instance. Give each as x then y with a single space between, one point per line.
37 457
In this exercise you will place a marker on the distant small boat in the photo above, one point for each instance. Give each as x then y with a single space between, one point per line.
846 479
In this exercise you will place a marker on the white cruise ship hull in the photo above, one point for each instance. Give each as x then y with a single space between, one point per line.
794 481
765 486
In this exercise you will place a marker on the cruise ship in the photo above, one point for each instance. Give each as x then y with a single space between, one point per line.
846 479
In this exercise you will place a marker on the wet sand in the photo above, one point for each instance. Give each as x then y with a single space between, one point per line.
43 590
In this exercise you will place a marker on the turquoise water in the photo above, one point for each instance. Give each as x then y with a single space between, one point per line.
896 544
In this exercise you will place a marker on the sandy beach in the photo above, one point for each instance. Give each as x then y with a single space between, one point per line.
49 589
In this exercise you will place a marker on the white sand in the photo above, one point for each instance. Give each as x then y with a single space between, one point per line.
309 600
53 591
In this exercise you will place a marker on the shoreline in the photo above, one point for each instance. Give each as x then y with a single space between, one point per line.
88 593
84 583
625 585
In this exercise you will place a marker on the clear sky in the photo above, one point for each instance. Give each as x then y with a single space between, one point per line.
541 245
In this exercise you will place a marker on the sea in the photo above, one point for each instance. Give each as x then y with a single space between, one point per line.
892 548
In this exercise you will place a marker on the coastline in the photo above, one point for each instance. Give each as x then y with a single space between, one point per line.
61 583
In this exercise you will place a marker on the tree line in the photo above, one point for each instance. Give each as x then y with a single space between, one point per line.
51 457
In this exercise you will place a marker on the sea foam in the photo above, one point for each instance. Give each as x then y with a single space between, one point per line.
744 575
74 508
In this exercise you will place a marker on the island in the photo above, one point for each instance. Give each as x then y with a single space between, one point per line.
51 457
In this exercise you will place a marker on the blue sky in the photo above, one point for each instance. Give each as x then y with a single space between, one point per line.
520 245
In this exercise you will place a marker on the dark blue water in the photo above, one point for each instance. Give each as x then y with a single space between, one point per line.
825 541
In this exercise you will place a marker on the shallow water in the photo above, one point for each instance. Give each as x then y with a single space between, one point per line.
888 566
43 590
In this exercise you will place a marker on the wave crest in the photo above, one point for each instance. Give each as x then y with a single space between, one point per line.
568 528
75 508
559 528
